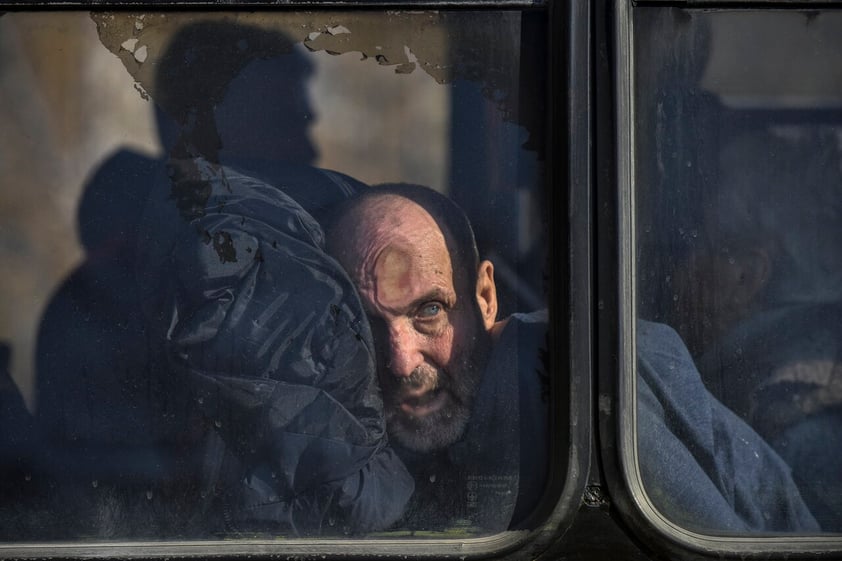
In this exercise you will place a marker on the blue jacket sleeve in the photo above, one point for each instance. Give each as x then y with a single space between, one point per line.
702 466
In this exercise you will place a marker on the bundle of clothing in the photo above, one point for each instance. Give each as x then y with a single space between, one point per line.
212 372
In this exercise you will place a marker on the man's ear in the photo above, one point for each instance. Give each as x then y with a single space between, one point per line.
487 294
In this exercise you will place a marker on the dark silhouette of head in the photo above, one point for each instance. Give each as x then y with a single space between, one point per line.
225 89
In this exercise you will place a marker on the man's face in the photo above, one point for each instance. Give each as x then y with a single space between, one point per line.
431 340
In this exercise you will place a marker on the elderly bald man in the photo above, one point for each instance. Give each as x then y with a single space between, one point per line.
465 392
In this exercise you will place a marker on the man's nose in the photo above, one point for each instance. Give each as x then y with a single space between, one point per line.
404 351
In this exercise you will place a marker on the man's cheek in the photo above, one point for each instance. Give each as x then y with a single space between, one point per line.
442 347
461 337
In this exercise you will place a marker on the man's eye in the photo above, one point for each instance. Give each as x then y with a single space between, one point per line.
429 310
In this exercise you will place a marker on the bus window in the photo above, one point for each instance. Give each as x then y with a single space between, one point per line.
272 275
738 210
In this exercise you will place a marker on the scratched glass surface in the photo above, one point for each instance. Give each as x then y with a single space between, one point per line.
188 349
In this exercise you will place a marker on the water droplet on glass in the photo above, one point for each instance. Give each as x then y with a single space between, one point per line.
94 483
217 424
149 495
433 478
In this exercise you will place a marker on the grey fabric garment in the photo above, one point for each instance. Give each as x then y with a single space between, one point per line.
702 466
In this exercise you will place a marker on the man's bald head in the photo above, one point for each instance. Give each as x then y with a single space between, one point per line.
381 207
396 236
431 309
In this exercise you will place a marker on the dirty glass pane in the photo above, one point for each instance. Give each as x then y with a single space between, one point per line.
240 294
738 182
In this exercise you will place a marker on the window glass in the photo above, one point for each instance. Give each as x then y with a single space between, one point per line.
271 274
738 210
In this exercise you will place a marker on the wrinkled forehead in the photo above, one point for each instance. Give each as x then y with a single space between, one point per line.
393 223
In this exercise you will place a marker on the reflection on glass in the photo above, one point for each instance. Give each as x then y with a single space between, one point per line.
738 186
272 330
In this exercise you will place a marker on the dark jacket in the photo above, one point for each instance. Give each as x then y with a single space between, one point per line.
267 337
250 373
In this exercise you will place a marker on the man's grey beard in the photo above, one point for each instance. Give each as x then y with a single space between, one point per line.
445 426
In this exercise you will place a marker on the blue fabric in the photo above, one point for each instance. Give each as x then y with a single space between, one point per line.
702 466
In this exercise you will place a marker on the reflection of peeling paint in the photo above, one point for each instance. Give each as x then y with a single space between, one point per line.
447 45
339 39
140 53
428 35
129 44
407 67
141 91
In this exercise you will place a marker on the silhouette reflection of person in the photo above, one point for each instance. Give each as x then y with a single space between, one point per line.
231 92
121 399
